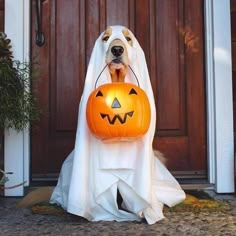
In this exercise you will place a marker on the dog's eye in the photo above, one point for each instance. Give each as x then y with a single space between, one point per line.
128 38
105 38
132 91
99 94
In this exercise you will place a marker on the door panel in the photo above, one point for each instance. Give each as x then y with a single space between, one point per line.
171 34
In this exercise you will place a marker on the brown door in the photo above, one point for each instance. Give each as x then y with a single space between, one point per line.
171 34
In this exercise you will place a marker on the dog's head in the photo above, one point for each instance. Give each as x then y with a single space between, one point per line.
117 56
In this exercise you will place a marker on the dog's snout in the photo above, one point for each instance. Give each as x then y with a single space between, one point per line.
117 50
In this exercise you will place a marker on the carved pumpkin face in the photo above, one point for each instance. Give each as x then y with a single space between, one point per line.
118 111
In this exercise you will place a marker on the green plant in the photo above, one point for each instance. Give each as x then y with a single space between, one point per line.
3 177
18 106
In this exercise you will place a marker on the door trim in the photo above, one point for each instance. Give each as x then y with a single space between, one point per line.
16 151
218 95
220 141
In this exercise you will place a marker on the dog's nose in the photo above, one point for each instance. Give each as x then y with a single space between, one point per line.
117 50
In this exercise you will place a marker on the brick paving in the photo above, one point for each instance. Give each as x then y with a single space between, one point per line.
22 222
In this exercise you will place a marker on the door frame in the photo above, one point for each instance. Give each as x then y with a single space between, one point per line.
17 145
219 108
219 97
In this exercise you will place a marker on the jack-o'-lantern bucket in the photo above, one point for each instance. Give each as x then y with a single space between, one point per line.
118 111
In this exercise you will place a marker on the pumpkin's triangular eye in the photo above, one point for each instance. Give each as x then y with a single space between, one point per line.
132 91
99 94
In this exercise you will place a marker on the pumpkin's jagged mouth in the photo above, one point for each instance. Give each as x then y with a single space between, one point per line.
117 117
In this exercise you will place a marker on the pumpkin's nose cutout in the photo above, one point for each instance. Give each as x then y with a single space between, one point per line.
115 103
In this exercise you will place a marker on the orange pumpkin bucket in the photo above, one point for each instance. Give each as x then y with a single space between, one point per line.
118 111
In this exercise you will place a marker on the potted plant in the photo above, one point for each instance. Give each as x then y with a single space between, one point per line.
3 178
18 106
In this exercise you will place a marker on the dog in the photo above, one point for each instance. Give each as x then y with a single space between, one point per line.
117 55
118 61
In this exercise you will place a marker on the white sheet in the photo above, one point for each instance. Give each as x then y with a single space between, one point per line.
93 172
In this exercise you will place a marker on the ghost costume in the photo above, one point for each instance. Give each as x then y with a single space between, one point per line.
95 170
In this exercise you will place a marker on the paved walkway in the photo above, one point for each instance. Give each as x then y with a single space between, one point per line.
22 222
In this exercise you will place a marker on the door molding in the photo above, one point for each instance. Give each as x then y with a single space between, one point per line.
220 141
218 95
16 151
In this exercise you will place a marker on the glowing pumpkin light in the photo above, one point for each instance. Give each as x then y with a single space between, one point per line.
118 111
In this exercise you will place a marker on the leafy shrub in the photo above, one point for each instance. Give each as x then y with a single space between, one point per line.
18 106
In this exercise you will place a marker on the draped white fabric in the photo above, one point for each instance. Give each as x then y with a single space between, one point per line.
92 173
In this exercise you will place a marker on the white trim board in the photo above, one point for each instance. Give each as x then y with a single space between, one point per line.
16 151
218 93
